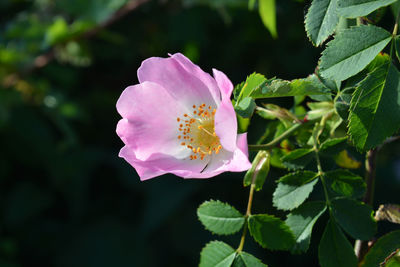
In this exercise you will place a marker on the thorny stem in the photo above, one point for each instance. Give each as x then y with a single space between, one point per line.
361 247
274 142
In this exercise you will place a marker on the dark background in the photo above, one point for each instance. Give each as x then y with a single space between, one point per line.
66 199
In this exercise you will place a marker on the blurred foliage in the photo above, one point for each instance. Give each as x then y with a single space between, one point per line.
66 199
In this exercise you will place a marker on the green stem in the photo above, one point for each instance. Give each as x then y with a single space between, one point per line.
321 175
248 213
319 129
278 139
250 203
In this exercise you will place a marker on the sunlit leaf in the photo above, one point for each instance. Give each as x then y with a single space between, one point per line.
321 20
220 218
293 189
344 58
375 107
360 8
217 254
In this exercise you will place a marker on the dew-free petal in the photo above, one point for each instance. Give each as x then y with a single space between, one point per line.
149 123
226 125
224 84
159 164
195 70
183 86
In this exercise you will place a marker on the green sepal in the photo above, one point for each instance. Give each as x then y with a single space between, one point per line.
258 171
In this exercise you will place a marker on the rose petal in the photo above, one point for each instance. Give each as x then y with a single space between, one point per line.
183 86
224 84
206 78
149 123
159 164
226 125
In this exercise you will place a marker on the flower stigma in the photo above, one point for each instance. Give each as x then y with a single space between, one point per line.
197 132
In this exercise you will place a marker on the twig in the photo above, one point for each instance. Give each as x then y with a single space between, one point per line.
45 58
274 142
361 247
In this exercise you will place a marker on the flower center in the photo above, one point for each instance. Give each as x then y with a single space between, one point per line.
197 132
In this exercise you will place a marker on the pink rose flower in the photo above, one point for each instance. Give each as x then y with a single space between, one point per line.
180 120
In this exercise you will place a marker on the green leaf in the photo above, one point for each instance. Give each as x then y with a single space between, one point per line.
345 183
333 146
385 245
301 221
282 88
268 15
245 107
344 57
293 189
298 159
355 217
259 170
375 107
252 83
321 20
217 254
360 8
220 218
270 232
334 249
244 259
